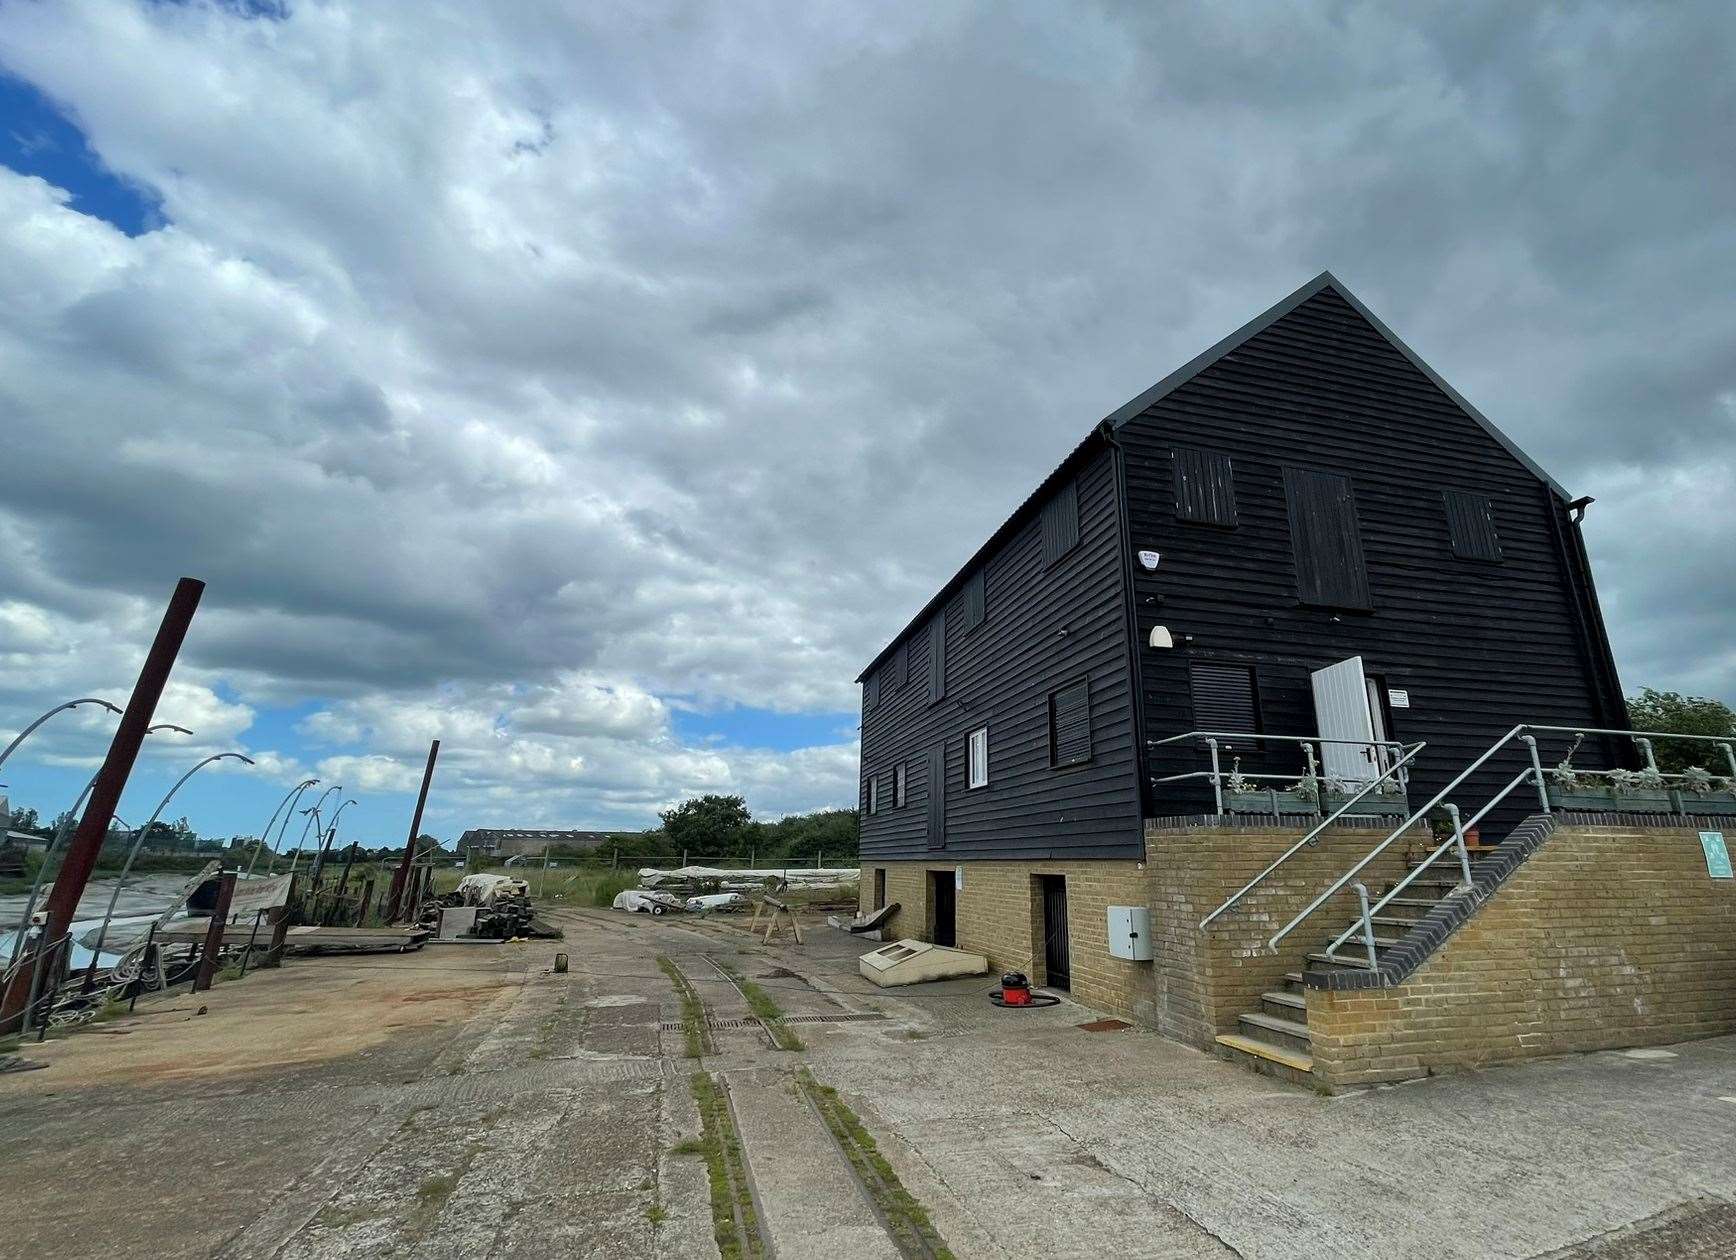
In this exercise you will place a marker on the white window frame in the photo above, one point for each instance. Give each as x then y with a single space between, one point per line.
900 786
873 794
976 758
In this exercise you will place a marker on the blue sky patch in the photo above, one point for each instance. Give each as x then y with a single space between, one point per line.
36 138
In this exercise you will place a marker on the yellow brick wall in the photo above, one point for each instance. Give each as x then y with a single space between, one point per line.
999 915
1608 936
1205 979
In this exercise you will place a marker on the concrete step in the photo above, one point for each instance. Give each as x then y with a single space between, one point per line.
1285 1033
1418 906
1285 1005
1327 962
1380 942
1265 1058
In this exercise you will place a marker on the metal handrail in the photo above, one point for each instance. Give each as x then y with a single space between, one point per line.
1454 841
1313 836
1534 772
1216 773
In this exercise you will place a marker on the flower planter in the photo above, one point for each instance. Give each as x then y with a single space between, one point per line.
1269 801
1607 800
1386 805
1712 804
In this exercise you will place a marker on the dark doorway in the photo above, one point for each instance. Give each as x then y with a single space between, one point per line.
945 901
1056 949
879 887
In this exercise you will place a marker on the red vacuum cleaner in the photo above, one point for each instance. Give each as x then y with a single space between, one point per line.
1015 991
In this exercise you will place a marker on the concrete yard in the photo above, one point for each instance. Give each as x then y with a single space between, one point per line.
466 1101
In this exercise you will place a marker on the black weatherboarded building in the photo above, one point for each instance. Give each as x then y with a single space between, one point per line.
1303 532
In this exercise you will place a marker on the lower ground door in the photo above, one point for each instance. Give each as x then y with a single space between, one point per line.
1056 949
944 897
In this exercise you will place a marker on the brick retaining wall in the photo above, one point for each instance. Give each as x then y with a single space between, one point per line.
1594 933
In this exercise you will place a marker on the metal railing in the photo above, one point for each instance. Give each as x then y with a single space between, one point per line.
1526 734
1313 835
1216 743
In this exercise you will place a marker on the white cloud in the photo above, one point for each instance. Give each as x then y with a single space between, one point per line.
518 373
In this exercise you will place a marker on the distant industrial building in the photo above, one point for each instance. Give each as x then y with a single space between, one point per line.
513 841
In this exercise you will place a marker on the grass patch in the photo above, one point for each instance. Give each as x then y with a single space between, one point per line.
908 1219
688 1146
761 1004
734 1225
606 887
692 1009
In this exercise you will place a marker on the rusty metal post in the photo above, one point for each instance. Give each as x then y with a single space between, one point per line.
214 933
401 878
111 779
284 914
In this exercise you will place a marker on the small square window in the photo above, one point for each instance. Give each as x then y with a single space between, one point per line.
1205 488
899 796
977 760
1471 526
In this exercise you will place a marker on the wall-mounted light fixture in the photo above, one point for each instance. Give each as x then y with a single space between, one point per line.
1161 637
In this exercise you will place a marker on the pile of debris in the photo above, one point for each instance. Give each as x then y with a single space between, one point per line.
486 907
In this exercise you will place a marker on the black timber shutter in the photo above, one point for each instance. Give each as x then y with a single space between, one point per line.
1061 523
871 690
1471 523
1330 569
975 602
1205 488
1223 698
937 797
937 658
901 664
1070 724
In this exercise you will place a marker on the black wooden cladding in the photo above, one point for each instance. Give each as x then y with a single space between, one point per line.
1479 647
1471 525
1061 523
1326 539
1205 487
1340 445
901 665
1046 627
1070 724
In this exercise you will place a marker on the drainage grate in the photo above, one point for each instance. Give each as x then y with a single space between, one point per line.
827 1019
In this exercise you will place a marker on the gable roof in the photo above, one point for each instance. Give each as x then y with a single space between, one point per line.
1325 280
1111 423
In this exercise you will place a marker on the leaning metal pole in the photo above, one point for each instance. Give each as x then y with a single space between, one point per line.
325 848
111 779
403 872
138 843
59 708
265 836
54 847
283 830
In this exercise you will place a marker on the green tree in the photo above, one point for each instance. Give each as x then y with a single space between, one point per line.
708 826
1654 710
25 820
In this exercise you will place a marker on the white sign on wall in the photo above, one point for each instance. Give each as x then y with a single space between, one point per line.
1398 699
958 878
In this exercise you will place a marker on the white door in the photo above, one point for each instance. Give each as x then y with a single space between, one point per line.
1341 708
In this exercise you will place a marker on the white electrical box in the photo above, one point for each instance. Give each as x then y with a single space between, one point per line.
1130 933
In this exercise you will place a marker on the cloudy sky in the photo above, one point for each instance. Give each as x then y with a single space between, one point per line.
598 386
